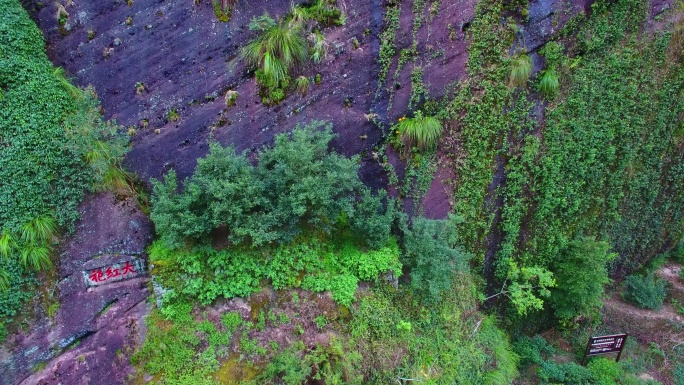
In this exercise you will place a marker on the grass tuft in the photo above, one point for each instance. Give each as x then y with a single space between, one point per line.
521 69
276 51
37 256
302 83
420 131
549 83
40 229
7 244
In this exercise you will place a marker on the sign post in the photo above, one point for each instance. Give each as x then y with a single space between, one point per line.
605 345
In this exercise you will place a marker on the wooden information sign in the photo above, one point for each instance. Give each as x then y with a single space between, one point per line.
605 345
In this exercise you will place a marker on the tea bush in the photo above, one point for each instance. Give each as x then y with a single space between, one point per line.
647 292
298 184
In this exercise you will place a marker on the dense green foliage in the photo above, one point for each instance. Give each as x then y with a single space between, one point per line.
206 274
54 147
184 350
550 368
432 252
446 343
580 276
647 292
549 202
606 163
298 185
19 289
301 218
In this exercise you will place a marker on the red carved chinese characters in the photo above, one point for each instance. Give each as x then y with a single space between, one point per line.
113 272
97 276
128 268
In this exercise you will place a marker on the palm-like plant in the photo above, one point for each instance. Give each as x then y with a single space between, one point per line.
521 69
276 51
549 83
420 131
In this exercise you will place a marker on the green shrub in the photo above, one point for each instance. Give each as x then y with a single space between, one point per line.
532 350
223 9
302 83
604 371
447 343
179 349
288 367
567 374
297 185
319 47
433 255
553 52
646 292
580 273
678 374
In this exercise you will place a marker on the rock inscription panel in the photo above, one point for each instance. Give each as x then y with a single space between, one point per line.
114 272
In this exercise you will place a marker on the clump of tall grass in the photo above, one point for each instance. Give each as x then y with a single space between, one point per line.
521 69
276 51
549 83
419 131
302 83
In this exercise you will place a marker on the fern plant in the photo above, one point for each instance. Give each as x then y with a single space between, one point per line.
420 131
549 83
521 69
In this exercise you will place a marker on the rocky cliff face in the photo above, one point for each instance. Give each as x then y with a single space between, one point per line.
185 60
94 330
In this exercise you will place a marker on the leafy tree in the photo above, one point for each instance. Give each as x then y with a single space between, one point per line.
580 272
527 285
223 190
372 218
433 254
305 185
